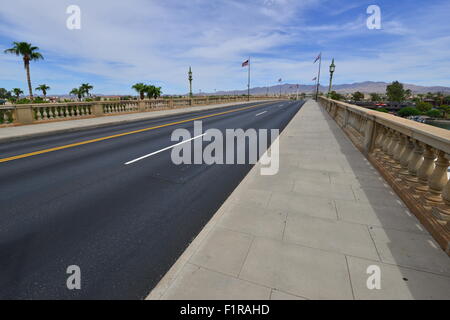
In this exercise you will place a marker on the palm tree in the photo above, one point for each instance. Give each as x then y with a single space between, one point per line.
85 88
44 88
29 53
17 92
77 92
141 89
157 92
152 91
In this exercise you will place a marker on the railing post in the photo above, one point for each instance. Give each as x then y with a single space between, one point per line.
141 106
24 114
97 109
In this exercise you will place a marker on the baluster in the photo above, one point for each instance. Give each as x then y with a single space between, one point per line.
406 156
392 147
442 212
10 117
381 139
398 152
377 141
438 178
386 145
415 162
425 170
44 113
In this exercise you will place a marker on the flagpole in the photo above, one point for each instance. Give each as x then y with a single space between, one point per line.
248 85
318 77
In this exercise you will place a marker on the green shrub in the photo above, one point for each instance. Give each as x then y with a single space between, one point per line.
434 113
22 101
408 111
424 107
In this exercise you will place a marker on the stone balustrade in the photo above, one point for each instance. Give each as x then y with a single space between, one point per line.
411 156
35 113
6 115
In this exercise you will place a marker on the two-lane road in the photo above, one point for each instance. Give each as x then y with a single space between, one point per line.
71 199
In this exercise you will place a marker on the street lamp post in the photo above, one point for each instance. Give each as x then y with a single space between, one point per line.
190 82
332 69
279 80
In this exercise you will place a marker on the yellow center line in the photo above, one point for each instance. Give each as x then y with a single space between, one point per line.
26 155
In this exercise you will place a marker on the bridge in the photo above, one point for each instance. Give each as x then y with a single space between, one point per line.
359 209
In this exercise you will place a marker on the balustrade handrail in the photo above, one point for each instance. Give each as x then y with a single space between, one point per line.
436 137
35 112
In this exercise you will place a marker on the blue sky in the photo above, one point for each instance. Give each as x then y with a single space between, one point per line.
124 42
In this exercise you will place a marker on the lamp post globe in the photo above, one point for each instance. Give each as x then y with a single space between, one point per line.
332 69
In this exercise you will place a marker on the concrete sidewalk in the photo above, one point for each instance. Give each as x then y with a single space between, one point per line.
12 133
311 231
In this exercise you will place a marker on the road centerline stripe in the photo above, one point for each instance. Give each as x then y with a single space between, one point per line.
163 149
30 154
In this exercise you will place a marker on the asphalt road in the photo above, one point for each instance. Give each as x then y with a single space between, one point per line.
123 225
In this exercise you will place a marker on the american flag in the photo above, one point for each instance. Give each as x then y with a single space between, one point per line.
318 57
245 63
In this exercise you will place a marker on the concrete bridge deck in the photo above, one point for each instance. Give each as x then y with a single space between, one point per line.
311 231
